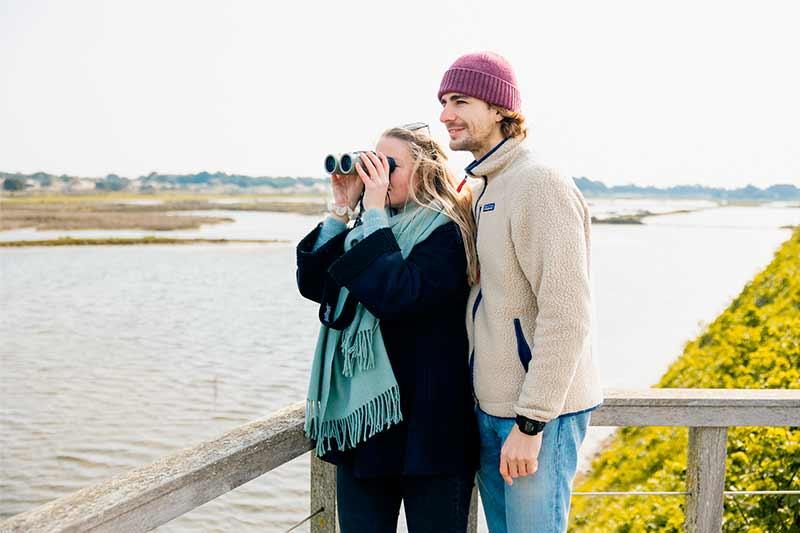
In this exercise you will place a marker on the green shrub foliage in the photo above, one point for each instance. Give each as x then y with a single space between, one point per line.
754 344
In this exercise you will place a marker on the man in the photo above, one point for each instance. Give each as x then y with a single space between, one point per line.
529 317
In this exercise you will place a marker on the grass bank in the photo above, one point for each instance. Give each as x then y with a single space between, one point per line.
637 218
53 217
122 241
143 212
754 343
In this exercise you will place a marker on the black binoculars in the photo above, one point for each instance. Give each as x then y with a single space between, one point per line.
346 163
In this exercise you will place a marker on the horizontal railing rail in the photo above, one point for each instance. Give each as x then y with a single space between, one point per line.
149 496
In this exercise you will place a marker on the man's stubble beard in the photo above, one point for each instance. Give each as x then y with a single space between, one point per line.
470 143
467 144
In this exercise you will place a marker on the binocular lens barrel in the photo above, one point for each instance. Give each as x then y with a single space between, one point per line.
346 163
330 163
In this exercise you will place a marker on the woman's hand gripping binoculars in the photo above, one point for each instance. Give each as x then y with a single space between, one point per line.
357 174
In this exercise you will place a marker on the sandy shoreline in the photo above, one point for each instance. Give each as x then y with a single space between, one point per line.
124 241
118 215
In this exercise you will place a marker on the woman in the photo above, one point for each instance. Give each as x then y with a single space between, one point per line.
390 399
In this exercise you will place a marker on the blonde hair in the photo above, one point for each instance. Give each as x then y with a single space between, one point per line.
513 123
433 183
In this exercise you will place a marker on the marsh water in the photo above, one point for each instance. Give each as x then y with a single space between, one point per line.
114 356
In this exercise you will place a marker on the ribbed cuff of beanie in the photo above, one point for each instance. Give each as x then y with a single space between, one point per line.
481 85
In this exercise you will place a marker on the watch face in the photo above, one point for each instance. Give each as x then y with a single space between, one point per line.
530 427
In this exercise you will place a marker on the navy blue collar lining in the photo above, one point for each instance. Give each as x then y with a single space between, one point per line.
477 162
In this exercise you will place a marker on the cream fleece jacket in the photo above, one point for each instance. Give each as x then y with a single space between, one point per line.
529 319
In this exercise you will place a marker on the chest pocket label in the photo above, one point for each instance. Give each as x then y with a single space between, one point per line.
488 207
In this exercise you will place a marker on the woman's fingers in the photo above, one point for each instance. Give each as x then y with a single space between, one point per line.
366 178
376 168
381 174
385 162
369 164
342 180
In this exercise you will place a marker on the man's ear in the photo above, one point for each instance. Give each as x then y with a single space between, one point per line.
497 116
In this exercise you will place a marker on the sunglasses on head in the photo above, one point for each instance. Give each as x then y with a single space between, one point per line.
414 126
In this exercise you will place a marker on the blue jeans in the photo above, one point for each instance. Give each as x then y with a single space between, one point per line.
539 502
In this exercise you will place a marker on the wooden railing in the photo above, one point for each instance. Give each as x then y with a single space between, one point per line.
152 495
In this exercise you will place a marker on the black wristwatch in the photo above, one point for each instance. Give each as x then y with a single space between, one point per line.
528 426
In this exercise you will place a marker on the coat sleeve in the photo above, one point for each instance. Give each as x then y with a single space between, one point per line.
312 264
549 230
391 287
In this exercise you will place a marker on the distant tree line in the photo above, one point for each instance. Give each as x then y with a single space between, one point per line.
113 182
750 192
221 178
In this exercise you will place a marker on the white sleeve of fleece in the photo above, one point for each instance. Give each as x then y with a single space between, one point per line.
549 239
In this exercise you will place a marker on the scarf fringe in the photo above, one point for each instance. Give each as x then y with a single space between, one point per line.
371 418
358 354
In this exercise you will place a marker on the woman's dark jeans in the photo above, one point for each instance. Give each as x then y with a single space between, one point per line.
432 503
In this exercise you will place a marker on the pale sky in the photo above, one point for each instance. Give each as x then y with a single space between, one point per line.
656 93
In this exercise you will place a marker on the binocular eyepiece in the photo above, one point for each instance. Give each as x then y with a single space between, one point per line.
346 163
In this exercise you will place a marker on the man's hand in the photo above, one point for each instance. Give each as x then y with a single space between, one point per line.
519 456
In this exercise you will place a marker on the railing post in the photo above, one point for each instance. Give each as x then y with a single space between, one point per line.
472 525
323 495
705 479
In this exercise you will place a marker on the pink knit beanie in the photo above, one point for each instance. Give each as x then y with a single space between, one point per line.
484 75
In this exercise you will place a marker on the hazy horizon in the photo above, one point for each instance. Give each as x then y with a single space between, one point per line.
626 184
685 93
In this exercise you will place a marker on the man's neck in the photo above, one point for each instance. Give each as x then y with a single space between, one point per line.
494 139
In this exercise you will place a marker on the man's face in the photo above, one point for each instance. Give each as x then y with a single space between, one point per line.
471 123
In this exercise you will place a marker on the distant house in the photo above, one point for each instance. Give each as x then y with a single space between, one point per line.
81 184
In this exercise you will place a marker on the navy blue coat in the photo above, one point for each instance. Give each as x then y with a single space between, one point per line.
420 302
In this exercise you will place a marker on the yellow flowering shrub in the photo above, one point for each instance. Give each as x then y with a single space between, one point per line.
753 344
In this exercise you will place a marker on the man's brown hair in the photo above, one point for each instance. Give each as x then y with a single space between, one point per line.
513 124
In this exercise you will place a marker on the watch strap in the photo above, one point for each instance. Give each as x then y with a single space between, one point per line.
528 426
342 210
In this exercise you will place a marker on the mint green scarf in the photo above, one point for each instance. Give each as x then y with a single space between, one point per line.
352 393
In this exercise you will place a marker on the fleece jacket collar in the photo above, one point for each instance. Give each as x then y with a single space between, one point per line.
496 159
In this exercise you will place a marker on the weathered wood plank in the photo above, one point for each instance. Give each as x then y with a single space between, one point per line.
695 416
705 479
698 408
704 397
323 496
154 494
147 497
